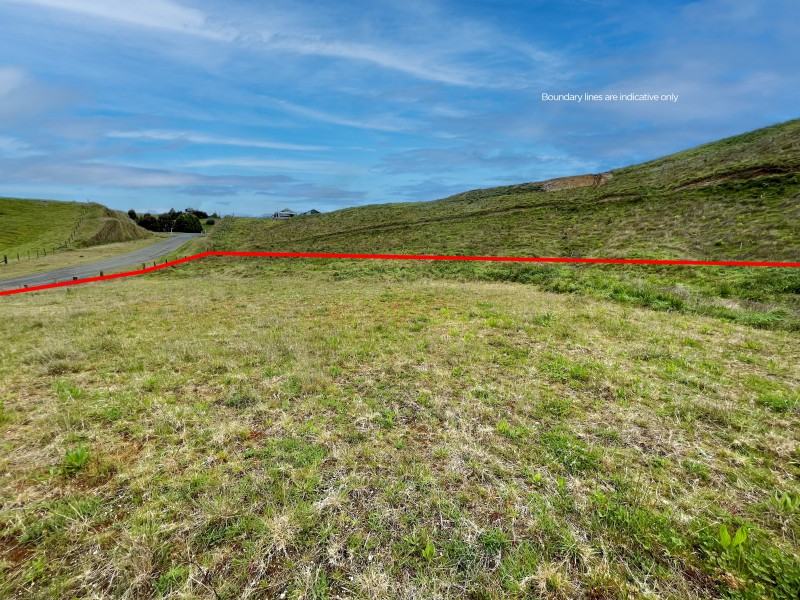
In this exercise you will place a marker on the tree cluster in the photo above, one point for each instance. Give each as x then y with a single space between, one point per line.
187 221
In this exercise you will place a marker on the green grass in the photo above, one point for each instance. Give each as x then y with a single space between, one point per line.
31 225
250 431
736 199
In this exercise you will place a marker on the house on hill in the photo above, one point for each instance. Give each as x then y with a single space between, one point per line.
313 211
286 213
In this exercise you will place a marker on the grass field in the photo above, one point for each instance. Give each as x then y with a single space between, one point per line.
203 432
31 225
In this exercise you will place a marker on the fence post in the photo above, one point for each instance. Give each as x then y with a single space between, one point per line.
74 278
37 253
144 266
5 258
101 273
17 256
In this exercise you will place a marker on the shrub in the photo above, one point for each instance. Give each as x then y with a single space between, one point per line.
210 221
187 223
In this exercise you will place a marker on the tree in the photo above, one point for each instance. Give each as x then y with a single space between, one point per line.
149 222
187 223
197 213
132 214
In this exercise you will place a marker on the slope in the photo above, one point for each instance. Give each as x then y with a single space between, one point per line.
737 198
733 199
30 225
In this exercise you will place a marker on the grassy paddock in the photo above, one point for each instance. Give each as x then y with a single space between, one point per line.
229 430
765 298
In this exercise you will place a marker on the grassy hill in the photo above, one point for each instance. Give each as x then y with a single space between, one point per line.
738 198
30 225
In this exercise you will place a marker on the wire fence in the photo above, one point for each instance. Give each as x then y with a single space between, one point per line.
45 250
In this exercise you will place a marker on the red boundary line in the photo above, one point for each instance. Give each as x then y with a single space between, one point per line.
525 259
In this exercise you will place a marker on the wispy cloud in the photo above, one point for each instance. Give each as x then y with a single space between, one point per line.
11 78
279 164
199 138
408 61
212 191
441 58
156 14
388 123
14 148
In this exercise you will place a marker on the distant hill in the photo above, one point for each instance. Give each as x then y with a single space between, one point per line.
736 198
28 225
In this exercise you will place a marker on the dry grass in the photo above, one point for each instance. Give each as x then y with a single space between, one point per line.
295 436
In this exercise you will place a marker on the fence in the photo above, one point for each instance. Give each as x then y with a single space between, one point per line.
53 249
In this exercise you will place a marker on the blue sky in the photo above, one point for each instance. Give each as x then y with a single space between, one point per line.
247 106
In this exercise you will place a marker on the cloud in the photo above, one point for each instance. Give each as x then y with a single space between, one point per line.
22 97
437 54
11 78
388 123
405 61
213 191
199 138
317 166
55 171
155 14
14 148
311 191
473 157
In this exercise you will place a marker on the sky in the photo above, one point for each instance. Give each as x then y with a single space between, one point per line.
248 106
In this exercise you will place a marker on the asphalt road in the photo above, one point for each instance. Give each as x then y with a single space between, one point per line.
92 269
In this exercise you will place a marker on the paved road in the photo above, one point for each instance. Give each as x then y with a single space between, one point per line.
91 269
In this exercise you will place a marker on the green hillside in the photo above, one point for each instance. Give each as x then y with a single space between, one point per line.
738 198
30 225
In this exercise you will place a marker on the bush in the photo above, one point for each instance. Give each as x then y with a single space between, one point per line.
210 221
187 223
